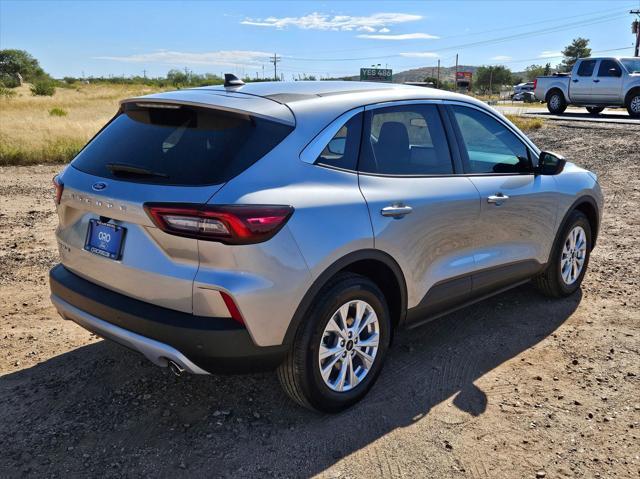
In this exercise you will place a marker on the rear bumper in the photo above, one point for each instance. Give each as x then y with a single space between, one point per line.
196 343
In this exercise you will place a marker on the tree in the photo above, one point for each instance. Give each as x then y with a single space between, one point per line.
579 48
15 64
486 76
547 69
431 80
533 71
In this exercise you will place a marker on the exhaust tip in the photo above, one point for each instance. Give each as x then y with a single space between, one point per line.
176 368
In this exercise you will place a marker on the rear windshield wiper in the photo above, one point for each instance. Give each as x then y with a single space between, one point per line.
124 168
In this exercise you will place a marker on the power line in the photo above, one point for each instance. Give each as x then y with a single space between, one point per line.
603 19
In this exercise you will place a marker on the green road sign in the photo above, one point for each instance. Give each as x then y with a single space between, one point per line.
376 74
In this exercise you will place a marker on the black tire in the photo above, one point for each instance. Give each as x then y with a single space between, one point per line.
595 110
300 374
556 103
550 281
633 104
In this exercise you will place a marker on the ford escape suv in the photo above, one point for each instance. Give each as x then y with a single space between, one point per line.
297 225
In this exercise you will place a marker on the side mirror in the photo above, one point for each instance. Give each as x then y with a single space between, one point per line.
550 163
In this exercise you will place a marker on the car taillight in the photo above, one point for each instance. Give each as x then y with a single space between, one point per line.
229 224
59 188
535 84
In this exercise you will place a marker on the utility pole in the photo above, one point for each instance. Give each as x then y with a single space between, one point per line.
490 81
144 74
455 79
275 59
635 28
438 78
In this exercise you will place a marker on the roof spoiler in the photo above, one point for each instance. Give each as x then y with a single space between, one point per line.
231 80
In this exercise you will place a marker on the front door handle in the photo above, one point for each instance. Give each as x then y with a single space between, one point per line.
396 210
596 81
497 199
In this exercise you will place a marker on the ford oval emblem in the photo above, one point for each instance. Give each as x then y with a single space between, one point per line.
99 186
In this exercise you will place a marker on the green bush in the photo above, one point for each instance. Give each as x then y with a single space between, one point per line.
9 81
6 92
43 88
57 112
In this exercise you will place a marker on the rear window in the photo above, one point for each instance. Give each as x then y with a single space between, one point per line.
178 145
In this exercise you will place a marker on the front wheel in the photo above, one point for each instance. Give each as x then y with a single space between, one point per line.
595 110
633 104
569 259
340 347
556 103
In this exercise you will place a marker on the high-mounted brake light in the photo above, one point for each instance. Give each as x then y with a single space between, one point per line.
229 224
59 188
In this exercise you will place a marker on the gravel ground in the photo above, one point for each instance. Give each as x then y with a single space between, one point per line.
516 386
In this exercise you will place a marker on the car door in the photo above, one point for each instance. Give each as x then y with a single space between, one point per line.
518 208
582 82
608 82
423 214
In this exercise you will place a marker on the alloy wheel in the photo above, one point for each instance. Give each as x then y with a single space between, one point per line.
349 345
574 254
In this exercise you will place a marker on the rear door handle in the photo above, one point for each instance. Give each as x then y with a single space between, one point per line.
596 81
497 199
396 211
575 80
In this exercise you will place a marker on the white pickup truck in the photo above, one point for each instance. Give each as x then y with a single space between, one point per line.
595 83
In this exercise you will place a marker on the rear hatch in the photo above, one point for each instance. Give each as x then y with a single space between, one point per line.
178 147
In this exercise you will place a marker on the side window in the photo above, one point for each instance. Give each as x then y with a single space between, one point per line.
342 150
490 146
609 68
405 140
586 68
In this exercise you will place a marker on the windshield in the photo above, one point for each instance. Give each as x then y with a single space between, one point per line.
631 64
178 145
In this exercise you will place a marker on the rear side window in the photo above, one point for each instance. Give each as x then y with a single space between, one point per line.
405 140
342 150
609 68
178 145
490 147
586 68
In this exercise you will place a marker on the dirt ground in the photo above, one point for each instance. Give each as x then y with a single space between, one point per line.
517 386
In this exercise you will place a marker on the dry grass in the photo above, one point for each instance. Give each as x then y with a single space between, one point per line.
526 123
29 134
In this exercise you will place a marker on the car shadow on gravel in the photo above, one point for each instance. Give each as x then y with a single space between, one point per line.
102 410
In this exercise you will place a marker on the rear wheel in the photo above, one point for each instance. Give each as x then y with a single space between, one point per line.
556 103
633 104
569 259
339 350
595 110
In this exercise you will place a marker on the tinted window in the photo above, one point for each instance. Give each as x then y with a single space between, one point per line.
182 146
342 150
586 68
490 146
609 68
405 140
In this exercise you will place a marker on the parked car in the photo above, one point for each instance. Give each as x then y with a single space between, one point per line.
298 225
525 96
595 83
520 88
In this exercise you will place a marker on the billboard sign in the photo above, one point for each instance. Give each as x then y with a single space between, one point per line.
376 74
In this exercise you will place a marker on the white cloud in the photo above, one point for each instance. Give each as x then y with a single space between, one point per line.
419 55
384 30
501 58
220 57
323 21
403 36
549 54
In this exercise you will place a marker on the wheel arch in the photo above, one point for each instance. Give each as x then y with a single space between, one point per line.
588 206
554 89
632 91
374 264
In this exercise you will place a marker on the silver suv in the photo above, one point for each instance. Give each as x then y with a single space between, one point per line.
297 225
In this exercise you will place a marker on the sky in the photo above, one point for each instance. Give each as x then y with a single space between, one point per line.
329 38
